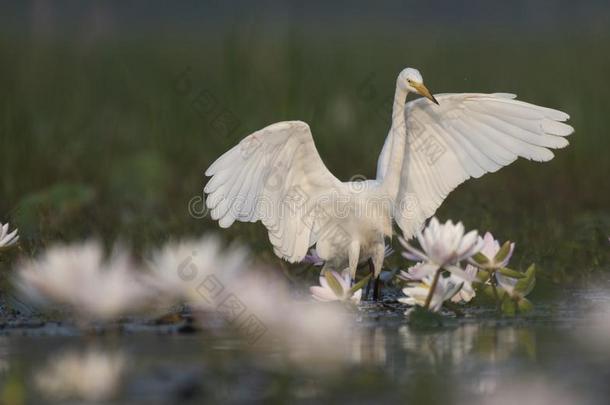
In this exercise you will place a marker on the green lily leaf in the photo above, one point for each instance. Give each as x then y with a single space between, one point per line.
525 305
525 285
360 284
488 290
482 276
333 283
511 273
508 307
480 258
503 252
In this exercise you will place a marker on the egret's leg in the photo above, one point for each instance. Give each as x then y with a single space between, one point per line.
368 285
377 289
353 254
378 257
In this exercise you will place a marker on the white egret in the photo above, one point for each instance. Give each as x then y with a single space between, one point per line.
276 175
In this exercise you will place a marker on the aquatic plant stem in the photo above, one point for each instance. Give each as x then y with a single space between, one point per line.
432 289
495 290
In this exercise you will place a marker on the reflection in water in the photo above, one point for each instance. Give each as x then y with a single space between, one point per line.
4 355
376 360
467 342
368 346
93 375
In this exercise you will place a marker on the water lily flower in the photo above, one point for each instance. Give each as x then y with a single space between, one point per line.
78 277
507 284
416 272
417 294
90 376
7 239
313 258
192 271
303 327
467 292
490 250
337 289
443 246
419 271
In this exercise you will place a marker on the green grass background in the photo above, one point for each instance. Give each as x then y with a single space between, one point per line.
98 141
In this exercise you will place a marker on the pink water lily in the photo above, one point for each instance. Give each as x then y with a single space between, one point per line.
490 248
313 258
325 293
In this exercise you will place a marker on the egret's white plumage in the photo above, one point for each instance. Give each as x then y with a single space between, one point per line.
276 175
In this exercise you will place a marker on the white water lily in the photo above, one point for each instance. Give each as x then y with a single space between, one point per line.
78 277
507 284
8 239
467 292
417 294
419 271
326 293
490 248
444 246
416 272
90 376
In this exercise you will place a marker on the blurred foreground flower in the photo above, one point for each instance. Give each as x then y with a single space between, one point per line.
90 376
336 287
78 277
254 301
7 239
417 294
305 328
179 270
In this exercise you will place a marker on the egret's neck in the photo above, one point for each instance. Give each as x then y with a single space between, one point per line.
391 181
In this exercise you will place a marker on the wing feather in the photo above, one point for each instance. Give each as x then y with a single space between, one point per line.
263 177
477 134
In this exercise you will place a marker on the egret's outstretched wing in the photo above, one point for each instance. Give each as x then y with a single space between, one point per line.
467 135
274 175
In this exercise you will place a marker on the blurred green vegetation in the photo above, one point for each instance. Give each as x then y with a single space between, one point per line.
110 139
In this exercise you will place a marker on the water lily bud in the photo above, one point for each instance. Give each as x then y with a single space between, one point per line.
511 273
503 252
480 258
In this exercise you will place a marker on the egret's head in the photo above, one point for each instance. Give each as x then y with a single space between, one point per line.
413 82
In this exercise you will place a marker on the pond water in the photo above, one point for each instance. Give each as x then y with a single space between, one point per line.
560 354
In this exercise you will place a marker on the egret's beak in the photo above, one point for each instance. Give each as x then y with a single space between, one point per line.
423 90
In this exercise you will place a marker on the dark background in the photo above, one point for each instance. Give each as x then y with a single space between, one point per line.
111 111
